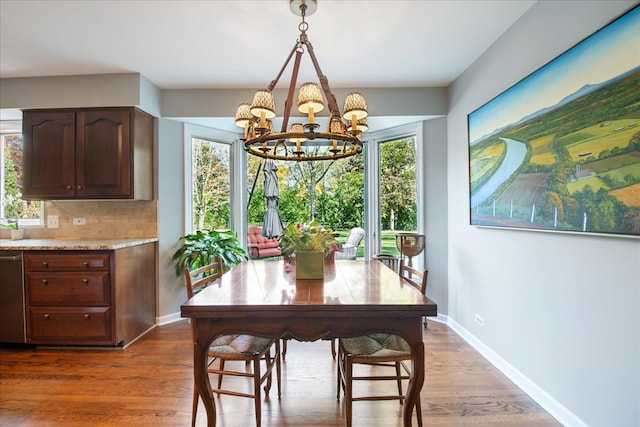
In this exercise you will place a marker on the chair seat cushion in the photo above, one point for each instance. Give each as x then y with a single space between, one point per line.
237 345
376 345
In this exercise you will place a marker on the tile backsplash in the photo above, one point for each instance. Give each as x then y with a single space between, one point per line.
104 219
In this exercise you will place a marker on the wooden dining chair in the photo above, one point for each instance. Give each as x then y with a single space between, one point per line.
379 351
247 348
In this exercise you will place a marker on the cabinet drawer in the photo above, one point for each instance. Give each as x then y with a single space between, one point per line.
91 288
90 325
66 262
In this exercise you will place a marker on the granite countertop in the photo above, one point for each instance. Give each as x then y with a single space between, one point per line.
72 244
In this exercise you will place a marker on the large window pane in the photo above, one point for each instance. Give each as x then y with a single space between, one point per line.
211 195
398 196
13 208
255 186
331 192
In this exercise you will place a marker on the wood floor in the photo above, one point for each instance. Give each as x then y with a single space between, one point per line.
150 384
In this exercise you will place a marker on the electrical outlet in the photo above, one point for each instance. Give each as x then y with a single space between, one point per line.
52 221
79 221
479 320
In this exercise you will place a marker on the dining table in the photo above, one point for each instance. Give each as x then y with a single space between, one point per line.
263 298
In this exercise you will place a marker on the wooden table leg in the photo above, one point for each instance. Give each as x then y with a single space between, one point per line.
415 383
201 377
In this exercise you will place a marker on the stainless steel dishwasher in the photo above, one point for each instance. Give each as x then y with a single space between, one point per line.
12 308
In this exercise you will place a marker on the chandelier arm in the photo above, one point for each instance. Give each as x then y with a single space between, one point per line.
324 82
274 82
292 87
253 186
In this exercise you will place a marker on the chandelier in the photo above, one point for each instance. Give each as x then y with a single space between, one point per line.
303 141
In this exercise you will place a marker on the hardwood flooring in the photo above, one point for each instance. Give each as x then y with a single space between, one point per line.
150 384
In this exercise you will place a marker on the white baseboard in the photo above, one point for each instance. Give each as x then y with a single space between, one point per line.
552 406
169 318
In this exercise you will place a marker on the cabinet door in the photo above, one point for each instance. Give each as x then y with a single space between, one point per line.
103 154
49 155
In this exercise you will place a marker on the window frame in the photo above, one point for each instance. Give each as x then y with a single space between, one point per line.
372 181
192 132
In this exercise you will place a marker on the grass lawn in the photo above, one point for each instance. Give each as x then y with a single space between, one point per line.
388 242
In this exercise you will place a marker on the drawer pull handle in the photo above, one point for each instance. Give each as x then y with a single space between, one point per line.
45 282
85 281
87 316
79 187
69 187
86 264
47 316
45 264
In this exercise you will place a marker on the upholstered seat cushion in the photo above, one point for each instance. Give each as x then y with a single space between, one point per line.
229 345
376 345
259 246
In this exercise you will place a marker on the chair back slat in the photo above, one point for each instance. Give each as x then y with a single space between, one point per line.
201 277
355 237
417 278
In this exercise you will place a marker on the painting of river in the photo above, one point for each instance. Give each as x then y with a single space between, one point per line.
560 150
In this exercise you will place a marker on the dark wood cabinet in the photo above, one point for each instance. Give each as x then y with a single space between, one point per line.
90 297
92 153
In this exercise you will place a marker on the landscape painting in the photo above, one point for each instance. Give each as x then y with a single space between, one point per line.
560 150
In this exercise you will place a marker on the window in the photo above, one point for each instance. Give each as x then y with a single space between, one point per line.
210 187
394 194
209 194
398 207
13 208
343 194
331 192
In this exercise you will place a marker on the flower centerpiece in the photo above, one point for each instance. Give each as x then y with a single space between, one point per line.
310 244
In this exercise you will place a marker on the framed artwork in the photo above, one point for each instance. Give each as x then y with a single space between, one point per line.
560 150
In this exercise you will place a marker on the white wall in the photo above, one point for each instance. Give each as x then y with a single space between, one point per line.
434 137
170 194
561 309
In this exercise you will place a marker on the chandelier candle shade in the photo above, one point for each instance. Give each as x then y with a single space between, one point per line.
303 141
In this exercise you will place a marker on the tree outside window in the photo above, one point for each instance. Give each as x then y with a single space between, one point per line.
13 208
398 184
331 192
211 195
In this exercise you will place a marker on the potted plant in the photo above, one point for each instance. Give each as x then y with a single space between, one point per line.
14 208
311 244
202 246
16 232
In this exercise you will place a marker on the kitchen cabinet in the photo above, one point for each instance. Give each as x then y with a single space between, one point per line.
90 153
90 297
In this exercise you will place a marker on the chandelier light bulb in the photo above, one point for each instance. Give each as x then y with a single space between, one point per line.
310 100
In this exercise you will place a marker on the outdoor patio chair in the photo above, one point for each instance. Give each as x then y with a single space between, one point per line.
349 249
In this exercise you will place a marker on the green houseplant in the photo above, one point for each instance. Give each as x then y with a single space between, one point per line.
13 209
16 232
311 244
202 246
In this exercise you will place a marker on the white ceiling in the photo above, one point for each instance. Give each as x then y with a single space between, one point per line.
243 44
